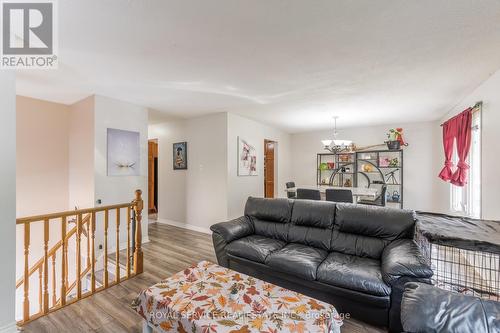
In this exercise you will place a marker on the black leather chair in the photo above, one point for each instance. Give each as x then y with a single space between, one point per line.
426 308
335 195
380 200
356 257
309 194
290 195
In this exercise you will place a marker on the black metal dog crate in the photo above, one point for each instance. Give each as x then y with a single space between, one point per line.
464 253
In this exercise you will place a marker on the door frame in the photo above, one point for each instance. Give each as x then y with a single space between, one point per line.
152 205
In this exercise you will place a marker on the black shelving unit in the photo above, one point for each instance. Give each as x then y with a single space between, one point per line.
364 168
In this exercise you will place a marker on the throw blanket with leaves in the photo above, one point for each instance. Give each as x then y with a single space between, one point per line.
208 298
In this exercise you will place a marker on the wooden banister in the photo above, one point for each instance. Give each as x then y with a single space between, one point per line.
86 220
138 256
51 252
53 216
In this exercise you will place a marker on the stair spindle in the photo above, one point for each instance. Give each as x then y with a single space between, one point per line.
40 289
88 243
92 247
78 256
106 222
54 297
128 242
26 301
117 268
64 258
45 266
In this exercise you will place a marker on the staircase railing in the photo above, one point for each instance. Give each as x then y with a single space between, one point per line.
58 295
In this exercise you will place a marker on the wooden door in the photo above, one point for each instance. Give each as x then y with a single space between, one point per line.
152 155
269 148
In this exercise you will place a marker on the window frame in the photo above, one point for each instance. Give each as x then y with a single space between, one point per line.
463 200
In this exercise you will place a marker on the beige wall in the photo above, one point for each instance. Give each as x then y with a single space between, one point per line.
42 156
81 154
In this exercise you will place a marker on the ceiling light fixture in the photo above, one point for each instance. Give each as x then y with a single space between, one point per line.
336 145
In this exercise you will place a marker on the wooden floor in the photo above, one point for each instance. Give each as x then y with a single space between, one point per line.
171 249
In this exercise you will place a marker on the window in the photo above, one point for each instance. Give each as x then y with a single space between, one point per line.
467 200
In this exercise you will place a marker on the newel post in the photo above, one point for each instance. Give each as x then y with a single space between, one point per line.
138 257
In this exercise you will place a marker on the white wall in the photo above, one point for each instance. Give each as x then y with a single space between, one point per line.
206 182
171 183
8 200
489 93
240 188
42 156
420 167
81 154
111 113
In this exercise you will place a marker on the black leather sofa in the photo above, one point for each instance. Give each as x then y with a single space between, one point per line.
429 309
355 257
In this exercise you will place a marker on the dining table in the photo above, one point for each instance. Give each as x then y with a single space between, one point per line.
365 192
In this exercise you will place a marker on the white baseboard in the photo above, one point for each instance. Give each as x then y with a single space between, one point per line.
9 328
184 225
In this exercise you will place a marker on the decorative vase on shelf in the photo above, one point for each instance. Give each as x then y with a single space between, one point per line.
393 145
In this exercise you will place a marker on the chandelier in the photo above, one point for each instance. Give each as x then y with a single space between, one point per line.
336 145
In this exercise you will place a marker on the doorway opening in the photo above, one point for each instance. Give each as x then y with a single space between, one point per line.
153 178
269 170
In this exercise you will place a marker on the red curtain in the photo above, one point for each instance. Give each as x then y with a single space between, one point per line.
449 131
457 128
464 135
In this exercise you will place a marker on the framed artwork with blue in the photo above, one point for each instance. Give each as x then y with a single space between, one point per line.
180 156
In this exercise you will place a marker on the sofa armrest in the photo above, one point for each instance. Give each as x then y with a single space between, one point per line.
403 258
427 308
234 229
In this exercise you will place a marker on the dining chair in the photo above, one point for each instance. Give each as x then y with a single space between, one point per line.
337 195
290 195
380 200
305 193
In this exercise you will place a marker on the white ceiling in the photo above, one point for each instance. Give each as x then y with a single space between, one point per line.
289 63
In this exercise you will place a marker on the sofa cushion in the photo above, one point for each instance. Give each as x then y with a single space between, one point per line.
317 214
354 273
297 259
254 247
358 245
380 222
315 237
271 210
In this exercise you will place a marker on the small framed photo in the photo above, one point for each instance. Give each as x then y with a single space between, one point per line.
180 156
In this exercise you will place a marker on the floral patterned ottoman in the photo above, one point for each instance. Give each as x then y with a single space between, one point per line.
208 298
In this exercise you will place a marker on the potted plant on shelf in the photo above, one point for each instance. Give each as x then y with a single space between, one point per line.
395 139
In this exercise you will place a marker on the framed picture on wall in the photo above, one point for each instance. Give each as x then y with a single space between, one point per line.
247 158
124 152
180 156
